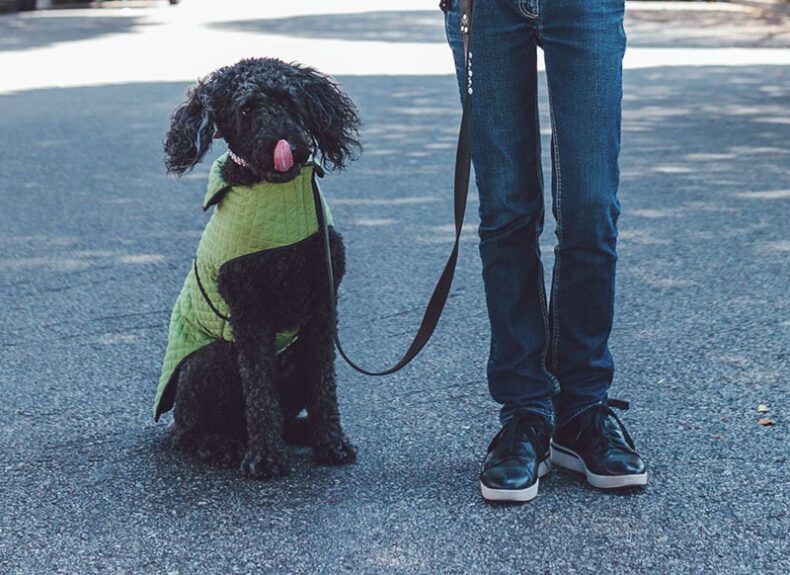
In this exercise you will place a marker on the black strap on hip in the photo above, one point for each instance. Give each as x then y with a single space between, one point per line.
211 305
463 159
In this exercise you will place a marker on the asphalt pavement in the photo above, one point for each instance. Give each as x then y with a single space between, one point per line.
96 242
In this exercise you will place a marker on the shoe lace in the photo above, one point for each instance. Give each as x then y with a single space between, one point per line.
600 421
512 432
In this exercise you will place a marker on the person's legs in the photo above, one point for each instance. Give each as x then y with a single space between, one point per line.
506 157
583 43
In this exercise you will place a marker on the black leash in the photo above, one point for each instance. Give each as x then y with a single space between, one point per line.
463 159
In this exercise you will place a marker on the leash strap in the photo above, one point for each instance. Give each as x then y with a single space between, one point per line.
463 159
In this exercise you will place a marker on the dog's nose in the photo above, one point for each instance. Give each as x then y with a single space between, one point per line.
283 157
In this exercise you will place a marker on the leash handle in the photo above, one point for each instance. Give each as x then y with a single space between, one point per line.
463 160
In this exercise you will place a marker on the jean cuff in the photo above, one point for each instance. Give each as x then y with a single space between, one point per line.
509 411
565 418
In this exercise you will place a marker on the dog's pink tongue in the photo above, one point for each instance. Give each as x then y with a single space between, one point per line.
283 159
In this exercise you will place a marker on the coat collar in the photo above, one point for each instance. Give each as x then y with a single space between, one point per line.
218 187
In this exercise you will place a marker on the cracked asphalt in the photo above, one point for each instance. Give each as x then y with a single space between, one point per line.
96 242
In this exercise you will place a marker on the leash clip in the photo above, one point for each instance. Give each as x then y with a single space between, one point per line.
317 169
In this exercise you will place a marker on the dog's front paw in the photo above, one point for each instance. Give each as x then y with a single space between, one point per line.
262 466
337 451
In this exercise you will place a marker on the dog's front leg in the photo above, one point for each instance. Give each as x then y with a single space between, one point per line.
329 442
265 457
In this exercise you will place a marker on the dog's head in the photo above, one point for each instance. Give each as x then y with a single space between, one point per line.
272 115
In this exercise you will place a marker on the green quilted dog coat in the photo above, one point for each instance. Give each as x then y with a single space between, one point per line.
246 220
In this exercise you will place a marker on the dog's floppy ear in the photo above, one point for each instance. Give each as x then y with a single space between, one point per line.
330 117
191 131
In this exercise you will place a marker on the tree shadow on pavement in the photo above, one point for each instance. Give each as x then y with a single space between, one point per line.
27 32
384 26
645 28
707 28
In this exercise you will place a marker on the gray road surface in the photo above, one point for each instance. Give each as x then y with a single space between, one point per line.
95 244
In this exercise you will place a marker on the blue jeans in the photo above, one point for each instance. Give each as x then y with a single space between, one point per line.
549 356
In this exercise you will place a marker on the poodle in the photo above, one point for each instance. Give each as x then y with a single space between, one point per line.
251 337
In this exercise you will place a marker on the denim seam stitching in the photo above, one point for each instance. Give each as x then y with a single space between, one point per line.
541 285
544 314
558 184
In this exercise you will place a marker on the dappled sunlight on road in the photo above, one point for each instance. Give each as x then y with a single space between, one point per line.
779 247
66 261
372 222
769 195
389 201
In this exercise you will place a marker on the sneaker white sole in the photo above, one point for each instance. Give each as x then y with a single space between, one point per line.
516 495
568 459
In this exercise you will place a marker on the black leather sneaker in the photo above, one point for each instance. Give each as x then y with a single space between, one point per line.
597 444
517 457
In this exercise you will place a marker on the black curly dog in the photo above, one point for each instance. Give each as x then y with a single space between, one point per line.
240 402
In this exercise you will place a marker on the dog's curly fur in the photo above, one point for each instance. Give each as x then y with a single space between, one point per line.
239 403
